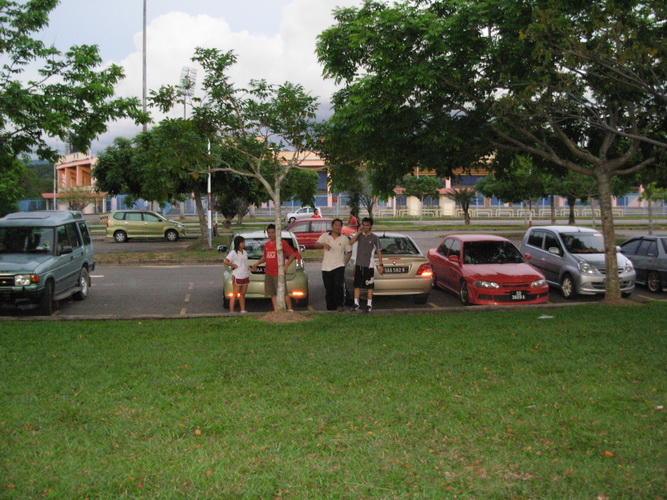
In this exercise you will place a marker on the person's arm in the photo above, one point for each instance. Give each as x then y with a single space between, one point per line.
292 254
355 237
380 265
230 264
320 242
259 262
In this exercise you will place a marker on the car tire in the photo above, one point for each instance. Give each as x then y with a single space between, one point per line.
463 293
653 282
568 288
45 307
120 236
420 299
291 219
225 302
171 235
84 285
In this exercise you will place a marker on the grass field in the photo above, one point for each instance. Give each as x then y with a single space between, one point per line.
506 404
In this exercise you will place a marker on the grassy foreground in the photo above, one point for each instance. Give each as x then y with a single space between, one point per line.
480 405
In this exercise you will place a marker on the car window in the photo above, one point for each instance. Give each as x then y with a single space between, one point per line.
630 247
73 236
67 237
444 248
255 246
664 243
455 248
535 238
26 240
300 227
133 216
398 245
119 216
551 241
320 226
85 233
491 252
648 248
151 218
583 242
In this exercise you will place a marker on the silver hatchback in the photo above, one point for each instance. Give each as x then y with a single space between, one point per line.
572 259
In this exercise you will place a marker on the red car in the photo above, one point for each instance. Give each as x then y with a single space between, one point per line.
308 231
486 269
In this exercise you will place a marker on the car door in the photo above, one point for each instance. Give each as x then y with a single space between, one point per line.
550 260
645 258
452 264
317 227
438 258
153 226
301 230
133 225
70 254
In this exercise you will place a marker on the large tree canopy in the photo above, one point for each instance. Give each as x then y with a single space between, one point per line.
442 83
67 98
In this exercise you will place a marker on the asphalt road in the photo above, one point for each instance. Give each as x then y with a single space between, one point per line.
192 290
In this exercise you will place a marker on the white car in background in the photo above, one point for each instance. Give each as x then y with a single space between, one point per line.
302 213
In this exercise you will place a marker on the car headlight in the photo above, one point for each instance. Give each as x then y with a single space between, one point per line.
25 279
538 283
485 284
585 267
628 266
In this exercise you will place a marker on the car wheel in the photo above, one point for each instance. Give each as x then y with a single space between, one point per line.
420 299
653 282
225 302
45 307
171 235
463 293
567 287
291 219
120 236
84 285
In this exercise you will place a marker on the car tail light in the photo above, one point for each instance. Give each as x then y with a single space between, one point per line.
425 271
298 293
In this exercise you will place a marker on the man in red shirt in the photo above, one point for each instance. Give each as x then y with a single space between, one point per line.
270 256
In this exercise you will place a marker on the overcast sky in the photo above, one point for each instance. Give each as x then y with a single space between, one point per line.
273 40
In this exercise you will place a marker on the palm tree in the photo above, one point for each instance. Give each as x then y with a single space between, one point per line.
463 196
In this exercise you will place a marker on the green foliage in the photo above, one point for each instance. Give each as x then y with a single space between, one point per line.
11 190
421 187
70 99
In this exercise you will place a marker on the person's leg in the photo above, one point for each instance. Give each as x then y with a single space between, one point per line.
274 301
232 300
242 291
338 288
328 279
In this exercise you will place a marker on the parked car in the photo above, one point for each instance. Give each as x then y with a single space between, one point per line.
125 224
572 259
486 269
406 269
302 213
308 231
649 257
44 257
296 276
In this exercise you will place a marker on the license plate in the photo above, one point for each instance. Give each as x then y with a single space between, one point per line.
396 270
518 295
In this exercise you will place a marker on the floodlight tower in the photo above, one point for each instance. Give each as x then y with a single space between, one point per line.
188 78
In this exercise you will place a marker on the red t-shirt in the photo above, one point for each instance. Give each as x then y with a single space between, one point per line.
272 257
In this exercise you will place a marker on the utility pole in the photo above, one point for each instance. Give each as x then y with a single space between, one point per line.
144 67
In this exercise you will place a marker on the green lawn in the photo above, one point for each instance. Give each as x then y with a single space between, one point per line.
480 404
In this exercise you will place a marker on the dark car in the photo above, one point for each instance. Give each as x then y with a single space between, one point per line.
649 256
486 269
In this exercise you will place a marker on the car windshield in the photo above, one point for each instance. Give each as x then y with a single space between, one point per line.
398 245
583 242
255 246
664 243
26 240
491 252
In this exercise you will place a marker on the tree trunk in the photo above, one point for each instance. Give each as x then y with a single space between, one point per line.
650 215
203 226
280 298
612 283
570 203
552 205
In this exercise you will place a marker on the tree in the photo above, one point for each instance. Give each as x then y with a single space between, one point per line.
471 76
260 123
77 198
421 188
68 99
359 184
464 197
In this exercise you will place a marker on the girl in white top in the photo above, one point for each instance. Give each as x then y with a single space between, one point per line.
237 260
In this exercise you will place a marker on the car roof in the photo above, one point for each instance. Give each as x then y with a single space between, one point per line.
567 229
262 234
390 234
477 237
42 218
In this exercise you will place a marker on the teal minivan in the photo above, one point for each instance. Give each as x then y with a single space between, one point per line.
45 256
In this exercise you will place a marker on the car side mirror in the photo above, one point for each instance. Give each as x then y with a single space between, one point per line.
66 249
302 248
527 256
222 248
454 258
554 250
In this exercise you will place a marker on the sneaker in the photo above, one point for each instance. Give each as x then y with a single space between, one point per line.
368 309
243 312
290 310
355 307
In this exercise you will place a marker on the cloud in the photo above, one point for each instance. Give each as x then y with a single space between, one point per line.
287 56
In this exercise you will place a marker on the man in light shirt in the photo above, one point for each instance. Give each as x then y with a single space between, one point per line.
336 255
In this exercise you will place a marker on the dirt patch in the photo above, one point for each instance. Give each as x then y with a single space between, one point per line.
620 302
284 317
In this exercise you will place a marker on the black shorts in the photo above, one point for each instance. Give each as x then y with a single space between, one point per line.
364 277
